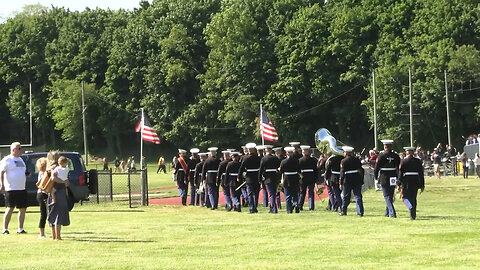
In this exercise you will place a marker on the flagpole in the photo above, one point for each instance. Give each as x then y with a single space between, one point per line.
261 121
141 141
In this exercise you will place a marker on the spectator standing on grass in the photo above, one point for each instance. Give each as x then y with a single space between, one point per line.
132 165
12 183
122 165
476 162
58 214
129 163
161 165
117 164
42 196
465 165
436 159
105 164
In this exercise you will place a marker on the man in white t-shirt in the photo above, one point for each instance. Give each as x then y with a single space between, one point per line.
12 184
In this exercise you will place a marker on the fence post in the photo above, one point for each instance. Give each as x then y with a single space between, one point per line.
129 191
144 190
111 184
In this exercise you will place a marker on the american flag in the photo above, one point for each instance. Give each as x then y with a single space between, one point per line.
148 133
267 130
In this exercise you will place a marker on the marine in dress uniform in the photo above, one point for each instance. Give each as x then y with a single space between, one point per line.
222 179
209 174
243 189
198 180
411 178
321 174
332 177
290 170
193 161
280 154
269 176
309 173
261 149
250 166
351 179
231 179
296 154
386 171
181 172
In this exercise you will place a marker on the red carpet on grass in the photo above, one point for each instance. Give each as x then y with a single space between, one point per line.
221 199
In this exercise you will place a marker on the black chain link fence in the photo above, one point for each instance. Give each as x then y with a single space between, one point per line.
129 188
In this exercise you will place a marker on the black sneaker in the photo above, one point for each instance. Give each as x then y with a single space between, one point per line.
6 232
21 232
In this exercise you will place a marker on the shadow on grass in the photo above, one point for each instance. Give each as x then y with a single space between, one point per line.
107 240
111 211
447 217
89 237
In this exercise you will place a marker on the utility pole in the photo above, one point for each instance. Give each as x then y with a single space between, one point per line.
30 105
448 110
84 125
411 107
374 111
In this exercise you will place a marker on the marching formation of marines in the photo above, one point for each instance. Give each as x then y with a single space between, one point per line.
294 171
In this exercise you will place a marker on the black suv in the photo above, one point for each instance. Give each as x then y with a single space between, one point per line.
82 183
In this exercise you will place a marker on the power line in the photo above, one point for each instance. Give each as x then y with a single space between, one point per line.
328 101
465 102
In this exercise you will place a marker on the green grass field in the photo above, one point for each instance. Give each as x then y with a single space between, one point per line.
445 235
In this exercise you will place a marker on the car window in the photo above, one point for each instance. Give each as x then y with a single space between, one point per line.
70 164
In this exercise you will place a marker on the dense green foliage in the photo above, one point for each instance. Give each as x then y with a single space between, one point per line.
202 68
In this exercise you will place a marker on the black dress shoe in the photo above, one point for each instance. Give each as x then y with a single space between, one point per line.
342 213
297 209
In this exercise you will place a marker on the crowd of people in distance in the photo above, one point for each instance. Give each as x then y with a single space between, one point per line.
472 139
438 156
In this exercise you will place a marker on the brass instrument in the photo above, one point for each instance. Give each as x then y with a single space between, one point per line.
326 142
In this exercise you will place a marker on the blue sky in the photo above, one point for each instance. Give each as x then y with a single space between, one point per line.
8 7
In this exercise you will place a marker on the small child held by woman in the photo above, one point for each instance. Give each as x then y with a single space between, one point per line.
62 173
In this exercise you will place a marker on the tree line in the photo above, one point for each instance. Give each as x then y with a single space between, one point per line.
201 68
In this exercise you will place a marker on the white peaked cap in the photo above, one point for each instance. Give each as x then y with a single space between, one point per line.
347 148
260 147
409 148
194 150
226 152
203 154
250 145
213 149
294 144
387 141
268 146
182 151
289 149
305 147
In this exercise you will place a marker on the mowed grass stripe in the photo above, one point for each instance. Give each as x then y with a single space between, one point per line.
111 236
